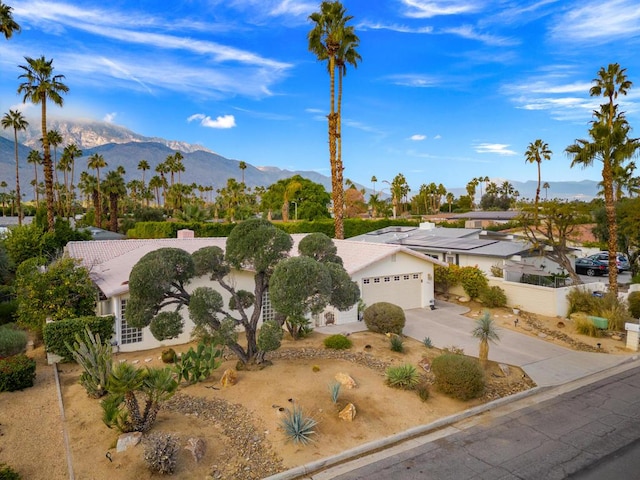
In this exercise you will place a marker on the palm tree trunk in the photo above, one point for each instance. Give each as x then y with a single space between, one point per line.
336 169
99 210
483 355
610 209
15 143
48 172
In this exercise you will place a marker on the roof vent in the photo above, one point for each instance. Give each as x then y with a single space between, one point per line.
427 225
185 233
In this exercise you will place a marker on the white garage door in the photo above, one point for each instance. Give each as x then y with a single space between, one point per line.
404 290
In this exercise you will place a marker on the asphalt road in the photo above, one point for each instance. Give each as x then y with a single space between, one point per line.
550 440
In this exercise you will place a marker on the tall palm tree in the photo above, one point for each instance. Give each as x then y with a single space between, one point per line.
114 187
35 158
242 166
325 41
536 152
72 152
55 139
7 24
3 186
610 144
155 183
546 187
485 330
40 85
450 198
96 162
88 186
373 182
14 119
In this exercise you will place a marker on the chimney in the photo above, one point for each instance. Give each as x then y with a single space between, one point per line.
185 233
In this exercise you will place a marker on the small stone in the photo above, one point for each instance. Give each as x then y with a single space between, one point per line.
147 360
616 337
464 299
229 377
127 440
542 335
527 328
135 361
348 413
345 380
505 369
197 447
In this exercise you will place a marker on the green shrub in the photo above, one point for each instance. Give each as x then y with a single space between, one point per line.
334 389
493 297
473 281
583 301
617 314
634 304
585 326
445 277
384 317
196 365
422 389
17 373
427 342
397 343
338 342
95 357
458 376
8 311
8 473
57 334
12 341
402 376
168 355
298 427
166 325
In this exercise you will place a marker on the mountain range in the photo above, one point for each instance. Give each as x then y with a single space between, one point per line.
122 147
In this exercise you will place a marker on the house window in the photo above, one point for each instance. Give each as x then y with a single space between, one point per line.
393 257
396 278
387 279
366 281
128 334
450 259
376 280
268 313
406 277
416 276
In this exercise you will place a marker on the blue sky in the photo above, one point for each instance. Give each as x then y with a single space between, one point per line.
447 90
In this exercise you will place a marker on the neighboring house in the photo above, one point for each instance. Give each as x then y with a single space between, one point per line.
391 273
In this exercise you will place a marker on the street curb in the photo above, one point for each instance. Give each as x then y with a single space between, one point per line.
422 430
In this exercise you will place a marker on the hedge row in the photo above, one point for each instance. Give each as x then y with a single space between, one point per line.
17 373
55 334
352 227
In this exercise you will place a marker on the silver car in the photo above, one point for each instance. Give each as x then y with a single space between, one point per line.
621 260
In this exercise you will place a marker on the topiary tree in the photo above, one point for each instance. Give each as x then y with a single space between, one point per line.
458 376
384 317
485 330
160 279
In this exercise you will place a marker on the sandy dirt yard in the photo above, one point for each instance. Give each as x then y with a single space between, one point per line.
240 423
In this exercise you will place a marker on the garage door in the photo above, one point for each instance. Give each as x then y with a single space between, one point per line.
404 290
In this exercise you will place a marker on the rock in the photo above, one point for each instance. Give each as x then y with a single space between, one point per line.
542 335
527 328
616 337
424 363
348 413
229 377
197 447
464 299
505 369
345 380
127 440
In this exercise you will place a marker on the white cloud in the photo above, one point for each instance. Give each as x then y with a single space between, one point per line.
433 8
224 121
437 137
110 117
469 32
393 27
414 80
418 137
494 148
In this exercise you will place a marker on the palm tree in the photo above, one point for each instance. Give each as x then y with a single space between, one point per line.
14 119
536 152
450 198
89 188
242 166
96 162
373 182
55 139
155 183
486 331
39 85
71 152
7 24
326 40
35 158
610 144
114 187
546 187
3 186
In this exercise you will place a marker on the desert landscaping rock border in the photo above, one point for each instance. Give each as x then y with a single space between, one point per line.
359 358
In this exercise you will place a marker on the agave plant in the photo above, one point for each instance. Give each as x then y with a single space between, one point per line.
402 376
297 426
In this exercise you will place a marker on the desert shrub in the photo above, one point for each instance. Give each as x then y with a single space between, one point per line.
8 473
168 355
445 277
270 336
427 342
196 365
94 356
384 317
57 334
298 427
12 341
404 376
493 297
496 271
585 326
17 373
473 281
334 389
458 376
454 349
338 342
583 301
634 304
315 369
161 453
396 343
422 389
617 314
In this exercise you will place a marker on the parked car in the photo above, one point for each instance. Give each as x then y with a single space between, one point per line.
621 260
591 266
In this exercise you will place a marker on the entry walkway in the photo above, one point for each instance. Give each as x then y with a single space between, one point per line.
545 363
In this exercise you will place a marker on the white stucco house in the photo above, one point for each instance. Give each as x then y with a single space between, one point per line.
391 273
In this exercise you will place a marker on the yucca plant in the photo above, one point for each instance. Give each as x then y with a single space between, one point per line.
427 342
334 389
486 331
397 344
297 426
402 376
95 357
